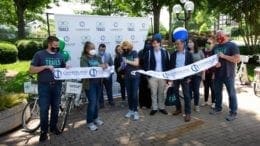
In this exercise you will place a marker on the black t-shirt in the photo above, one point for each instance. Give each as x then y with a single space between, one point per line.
42 58
227 68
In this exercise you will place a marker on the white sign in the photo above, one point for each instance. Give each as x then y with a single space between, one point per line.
75 30
182 72
73 88
82 73
30 88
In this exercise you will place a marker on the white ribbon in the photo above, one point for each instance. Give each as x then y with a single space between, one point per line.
82 73
182 72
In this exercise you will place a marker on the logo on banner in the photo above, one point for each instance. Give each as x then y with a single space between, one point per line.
143 27
116 27
102 38
93 72
85 39
118 39
195 68
131 27
100 26
82 26
132 37
63 26
57 74
67 41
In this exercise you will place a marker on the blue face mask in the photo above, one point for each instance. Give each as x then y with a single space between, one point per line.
101 53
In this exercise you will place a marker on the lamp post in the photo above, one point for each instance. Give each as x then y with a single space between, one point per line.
188 9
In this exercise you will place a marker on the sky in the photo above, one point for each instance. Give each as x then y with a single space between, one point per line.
68 7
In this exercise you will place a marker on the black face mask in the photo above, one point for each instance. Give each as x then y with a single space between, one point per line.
125 51
55 49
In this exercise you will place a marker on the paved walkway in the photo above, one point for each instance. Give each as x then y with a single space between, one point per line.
204 129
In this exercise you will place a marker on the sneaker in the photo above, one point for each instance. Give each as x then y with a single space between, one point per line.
153 112
43 136
136 116
204 104
163 111
129 114
213 105
197 108
214 112
55 131
231 117
98 122
92 127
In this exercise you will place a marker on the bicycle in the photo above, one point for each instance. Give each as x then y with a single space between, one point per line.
31 111
72 90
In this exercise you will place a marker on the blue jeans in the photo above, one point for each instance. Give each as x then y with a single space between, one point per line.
132 85
49 96
230 85
93 93
195 89
107 82
186 92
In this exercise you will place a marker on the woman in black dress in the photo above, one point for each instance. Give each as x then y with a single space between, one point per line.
120 71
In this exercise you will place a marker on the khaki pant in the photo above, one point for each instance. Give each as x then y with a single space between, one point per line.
157 87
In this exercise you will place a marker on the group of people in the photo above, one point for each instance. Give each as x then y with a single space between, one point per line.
151 90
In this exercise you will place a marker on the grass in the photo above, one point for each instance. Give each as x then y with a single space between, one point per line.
19 66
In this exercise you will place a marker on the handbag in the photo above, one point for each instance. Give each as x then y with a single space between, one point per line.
171 98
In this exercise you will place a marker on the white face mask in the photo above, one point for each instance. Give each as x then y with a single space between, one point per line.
92 52
191 45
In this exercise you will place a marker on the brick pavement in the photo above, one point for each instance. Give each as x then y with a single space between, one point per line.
204 129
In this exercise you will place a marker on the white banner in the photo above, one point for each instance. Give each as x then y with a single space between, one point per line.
182 72
110 30
82 73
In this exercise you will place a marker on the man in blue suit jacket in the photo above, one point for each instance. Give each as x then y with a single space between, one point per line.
182 57
106 59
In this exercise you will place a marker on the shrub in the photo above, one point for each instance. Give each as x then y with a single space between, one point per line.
11 99
8 53
27 48
16 84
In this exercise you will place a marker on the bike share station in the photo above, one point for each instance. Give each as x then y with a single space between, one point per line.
73 31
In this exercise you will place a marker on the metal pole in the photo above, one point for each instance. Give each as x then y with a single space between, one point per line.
48 24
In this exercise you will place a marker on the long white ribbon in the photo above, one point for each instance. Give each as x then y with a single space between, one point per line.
182 72
82 73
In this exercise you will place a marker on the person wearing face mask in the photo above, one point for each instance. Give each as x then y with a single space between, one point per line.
229 55
49 90
208 78
195 79
131 63
107 82
89 58
157 59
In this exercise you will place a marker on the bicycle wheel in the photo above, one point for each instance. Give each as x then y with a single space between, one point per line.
63 114
257 89
31 116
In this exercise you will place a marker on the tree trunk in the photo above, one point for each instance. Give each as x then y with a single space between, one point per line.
20 10
170 26
156 19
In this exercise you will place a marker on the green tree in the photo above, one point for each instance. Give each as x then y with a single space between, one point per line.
244 12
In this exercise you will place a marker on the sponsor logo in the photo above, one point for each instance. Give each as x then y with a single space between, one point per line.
131 27
102 38
118 39
82 26
195 68
57 74
63 26
116 27
132 37
68 41
143 27
93 72
85 39
100 26
115 24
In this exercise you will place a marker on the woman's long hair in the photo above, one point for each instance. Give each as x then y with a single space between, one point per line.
196 48
87 46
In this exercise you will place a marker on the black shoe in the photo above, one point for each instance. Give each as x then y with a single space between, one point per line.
43 136
153 112
101 106
111 103
163 111
56 131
